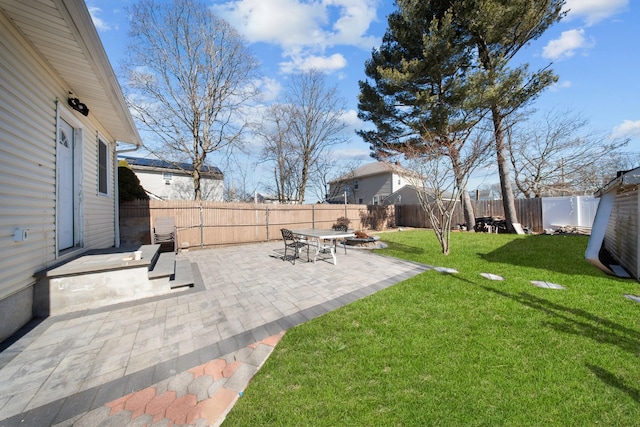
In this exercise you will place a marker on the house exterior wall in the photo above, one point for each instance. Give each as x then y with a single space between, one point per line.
371 186
29 111
621 237
180 186
374 186
406 195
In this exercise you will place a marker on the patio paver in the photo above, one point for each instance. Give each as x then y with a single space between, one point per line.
66 370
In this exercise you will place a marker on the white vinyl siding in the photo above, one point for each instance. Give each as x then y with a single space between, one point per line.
180 184
99 211
29 90
27 164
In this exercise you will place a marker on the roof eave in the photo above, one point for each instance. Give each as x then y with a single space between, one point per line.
94 51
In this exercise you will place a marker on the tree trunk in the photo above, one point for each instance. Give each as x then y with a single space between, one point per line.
304 176
467 206
197 190
508 201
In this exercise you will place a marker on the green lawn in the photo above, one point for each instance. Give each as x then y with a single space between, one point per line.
461 350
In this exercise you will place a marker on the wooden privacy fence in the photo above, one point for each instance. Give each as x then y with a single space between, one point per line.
528 211
206 224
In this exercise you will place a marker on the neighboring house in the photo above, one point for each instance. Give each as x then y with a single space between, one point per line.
408 195
370 184
174 181
62 114
615 227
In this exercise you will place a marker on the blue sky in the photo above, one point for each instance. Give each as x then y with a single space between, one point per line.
594 50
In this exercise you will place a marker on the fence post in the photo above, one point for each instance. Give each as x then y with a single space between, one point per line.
201 229
313 216
266 217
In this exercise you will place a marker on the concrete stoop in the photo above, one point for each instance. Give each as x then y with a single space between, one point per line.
101 278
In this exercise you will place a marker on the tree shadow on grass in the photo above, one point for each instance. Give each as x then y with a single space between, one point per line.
575 321
400 247
560 253
613 381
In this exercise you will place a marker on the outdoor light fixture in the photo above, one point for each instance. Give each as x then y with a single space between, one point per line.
78 106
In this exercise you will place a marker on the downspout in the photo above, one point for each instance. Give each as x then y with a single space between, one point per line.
116 192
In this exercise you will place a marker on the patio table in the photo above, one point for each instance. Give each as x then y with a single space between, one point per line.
321 236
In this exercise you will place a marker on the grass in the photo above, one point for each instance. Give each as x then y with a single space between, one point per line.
461 350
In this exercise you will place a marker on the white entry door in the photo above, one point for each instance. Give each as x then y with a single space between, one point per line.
65 185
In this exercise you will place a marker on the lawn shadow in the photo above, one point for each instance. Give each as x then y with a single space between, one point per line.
401 247
613 381
575 321
560 253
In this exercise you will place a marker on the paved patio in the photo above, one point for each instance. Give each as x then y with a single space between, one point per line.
183 358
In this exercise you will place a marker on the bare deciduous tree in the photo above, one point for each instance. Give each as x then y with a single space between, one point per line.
314 113
551 155
189 77
279 151
239 186
438 193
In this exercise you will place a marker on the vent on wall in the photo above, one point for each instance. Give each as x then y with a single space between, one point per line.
167 176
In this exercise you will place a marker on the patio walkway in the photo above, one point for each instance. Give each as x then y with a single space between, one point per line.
183 358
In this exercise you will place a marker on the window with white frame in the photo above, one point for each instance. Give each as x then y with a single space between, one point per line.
103 167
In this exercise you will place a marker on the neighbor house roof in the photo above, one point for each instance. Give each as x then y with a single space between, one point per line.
161 165
63 33
375 168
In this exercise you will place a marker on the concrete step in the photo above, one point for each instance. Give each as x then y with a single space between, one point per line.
183 274
164 266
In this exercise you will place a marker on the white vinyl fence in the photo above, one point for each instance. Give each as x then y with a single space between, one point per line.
576 211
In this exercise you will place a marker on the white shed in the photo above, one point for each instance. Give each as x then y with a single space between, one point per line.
615 227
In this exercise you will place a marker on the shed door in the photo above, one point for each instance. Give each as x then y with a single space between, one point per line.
65 185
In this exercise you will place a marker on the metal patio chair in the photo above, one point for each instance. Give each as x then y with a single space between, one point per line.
293 241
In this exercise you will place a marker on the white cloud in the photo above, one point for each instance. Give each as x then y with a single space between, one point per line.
324 64
566 46
354 21
269 89
628 129
353 122
304 29
98 22
284 22
594 11
564 84
351 153
350 117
